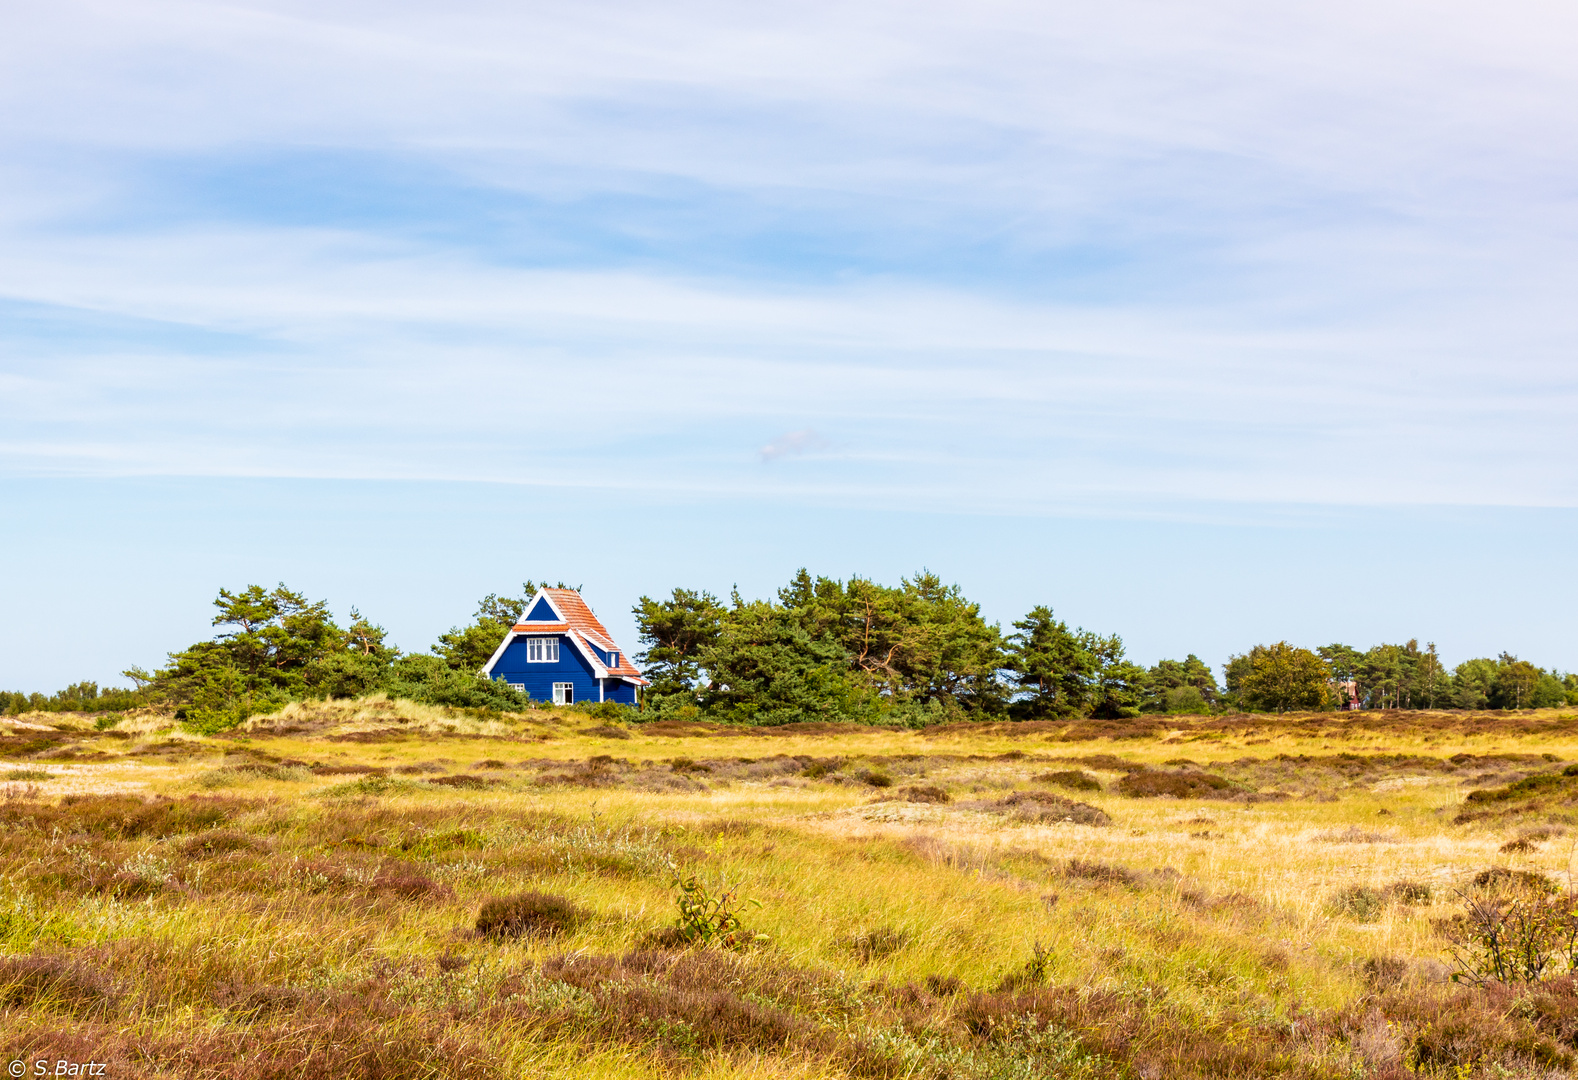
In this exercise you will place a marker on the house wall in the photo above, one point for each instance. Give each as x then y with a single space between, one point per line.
538 679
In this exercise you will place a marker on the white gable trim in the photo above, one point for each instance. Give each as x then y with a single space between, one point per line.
599 669
531 605
487 669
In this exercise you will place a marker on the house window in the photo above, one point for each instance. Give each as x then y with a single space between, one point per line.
563 693
613 659
542 650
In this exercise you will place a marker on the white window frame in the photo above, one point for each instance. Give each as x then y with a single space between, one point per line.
563 693
542 650
613 659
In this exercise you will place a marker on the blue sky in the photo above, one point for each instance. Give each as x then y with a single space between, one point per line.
1206 324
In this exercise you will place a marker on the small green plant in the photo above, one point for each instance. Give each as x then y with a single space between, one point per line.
1514 938
29 774
710 916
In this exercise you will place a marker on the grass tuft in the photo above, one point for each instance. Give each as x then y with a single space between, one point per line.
528 914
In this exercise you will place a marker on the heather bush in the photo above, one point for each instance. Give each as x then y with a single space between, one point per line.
528 914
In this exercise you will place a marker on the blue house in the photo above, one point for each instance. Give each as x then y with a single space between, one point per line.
559 652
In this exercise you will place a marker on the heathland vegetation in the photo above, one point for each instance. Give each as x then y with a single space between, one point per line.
821 650
374 889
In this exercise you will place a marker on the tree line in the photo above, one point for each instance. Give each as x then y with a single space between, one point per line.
921 652
821 649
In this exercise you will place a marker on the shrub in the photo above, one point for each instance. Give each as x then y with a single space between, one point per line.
608 710
428 680
1071 780
375 784
29 774
875 778
606 731
469 783
1513 938
929 793
528 914
707 915
227 775
1501 879
1102 873
1527 788
1355 834
1409 892
1184 784
1044 807
408 883
1359 902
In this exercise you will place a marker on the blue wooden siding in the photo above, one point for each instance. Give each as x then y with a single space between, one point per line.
538 679
542 613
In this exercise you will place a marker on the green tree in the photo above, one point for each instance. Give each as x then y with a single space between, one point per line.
277 634
921 641
1515 683
675 633
1474 683
273 645
1282 677
1181 686
359 666
766 668
1050 666
1548 691
1119 686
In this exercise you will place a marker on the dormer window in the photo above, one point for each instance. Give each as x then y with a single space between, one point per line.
542 650
613 659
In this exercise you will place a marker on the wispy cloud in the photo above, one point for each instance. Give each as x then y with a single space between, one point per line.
793 443
1040 256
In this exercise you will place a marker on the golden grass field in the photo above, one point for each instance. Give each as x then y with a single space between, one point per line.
301 898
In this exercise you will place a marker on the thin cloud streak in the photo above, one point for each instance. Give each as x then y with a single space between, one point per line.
1031 256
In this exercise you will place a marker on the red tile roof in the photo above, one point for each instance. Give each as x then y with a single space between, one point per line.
578 619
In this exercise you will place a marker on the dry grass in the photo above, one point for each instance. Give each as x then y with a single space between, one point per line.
1242 896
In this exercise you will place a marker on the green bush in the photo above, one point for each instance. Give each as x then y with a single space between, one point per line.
710 916
429 681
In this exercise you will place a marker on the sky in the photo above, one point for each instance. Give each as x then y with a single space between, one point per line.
1206 324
